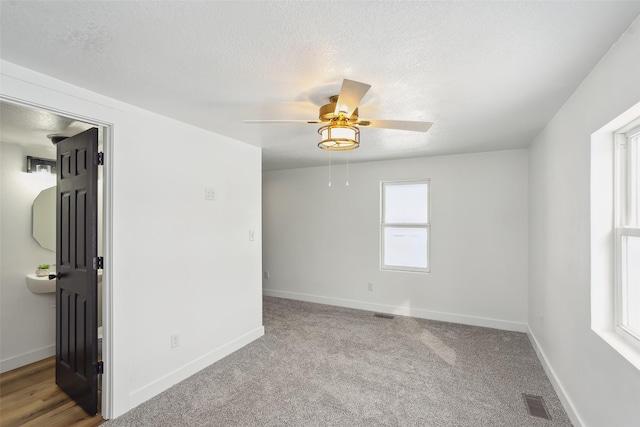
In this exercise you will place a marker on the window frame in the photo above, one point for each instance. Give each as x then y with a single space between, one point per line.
602 203
621 209
424 225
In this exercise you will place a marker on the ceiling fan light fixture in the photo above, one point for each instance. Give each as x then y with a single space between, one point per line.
340 120
339 137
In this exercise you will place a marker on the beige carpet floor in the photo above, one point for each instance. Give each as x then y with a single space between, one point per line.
320 365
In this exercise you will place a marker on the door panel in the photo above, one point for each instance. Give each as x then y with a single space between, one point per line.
76 285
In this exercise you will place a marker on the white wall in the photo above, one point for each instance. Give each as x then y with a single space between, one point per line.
598 386
175 262
322 244
27 320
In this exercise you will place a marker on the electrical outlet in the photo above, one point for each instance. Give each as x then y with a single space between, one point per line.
175 340
252 235
370 286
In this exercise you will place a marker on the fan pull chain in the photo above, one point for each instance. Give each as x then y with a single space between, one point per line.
329 169
347 169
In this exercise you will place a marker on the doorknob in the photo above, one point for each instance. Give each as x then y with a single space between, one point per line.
55 276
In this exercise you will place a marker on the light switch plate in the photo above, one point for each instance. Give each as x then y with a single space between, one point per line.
209 193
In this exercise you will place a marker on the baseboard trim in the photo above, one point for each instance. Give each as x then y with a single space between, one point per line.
163 383
555 382
402 311
27 358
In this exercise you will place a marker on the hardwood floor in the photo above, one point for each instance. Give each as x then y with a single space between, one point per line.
29 396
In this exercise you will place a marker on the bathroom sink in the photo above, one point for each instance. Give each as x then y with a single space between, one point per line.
42 285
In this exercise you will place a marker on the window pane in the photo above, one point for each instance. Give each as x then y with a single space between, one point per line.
405 247
633 202
631 283
406 203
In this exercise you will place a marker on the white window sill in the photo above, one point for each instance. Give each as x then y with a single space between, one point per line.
625 346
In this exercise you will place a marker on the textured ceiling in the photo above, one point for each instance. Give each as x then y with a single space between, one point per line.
488 74
31 127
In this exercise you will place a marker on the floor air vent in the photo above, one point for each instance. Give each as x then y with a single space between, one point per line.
536 406
383 315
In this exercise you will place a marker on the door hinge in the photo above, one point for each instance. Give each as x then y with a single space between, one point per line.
100 158
99 367
98 263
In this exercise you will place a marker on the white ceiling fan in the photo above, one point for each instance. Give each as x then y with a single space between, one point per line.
340 120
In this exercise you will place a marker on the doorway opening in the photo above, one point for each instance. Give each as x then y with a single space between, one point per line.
27 131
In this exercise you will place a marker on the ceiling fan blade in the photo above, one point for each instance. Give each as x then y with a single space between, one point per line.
351 93
282 121
397 124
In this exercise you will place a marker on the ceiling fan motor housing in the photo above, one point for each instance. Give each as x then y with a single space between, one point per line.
328 112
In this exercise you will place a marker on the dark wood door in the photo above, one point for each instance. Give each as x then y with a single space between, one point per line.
77 281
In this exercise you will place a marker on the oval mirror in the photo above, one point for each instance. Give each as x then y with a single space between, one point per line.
44 218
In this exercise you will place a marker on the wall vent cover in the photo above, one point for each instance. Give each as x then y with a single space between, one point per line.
383 315
536 406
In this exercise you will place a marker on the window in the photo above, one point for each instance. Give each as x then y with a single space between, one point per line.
627 230
614 236
404 226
